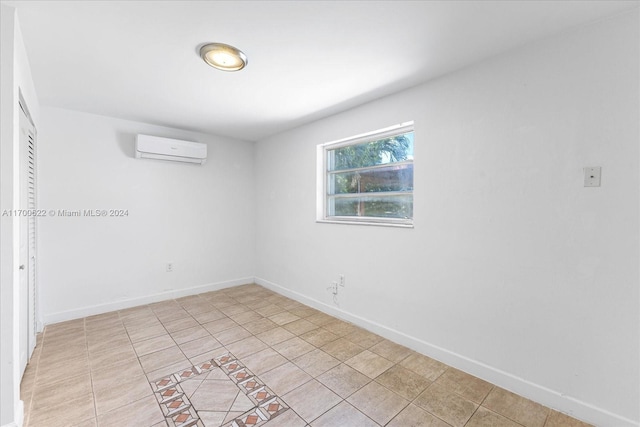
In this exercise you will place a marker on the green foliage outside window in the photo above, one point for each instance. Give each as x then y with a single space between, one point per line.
381 166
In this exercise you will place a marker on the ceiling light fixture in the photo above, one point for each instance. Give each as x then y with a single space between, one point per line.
223 57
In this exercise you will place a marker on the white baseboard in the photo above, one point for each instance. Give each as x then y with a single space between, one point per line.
133 302
18 415
547 397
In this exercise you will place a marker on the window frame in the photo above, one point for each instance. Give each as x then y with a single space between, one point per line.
323 175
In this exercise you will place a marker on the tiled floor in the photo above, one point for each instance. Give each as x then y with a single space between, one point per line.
246 356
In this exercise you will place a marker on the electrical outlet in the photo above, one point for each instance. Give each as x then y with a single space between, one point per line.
592 176
342 280
169 267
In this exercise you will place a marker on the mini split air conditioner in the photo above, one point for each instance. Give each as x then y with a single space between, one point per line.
155 147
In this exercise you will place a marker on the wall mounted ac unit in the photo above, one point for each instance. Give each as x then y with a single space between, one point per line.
155 147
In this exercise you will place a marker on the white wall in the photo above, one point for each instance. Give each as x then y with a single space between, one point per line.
198 217
514 271
15 79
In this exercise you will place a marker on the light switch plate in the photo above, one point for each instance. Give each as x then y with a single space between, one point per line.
592 176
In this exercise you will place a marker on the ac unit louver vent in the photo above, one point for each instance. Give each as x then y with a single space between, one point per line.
175 150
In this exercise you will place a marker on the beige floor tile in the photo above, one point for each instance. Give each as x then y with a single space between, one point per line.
300 326
189 387
245 347
429 368
287 419
113 345
485 418
256 304
189 334
115 375
108 358
202 345
343 414
199 307
172 315
369 363
165 306
106 332
154 344
134 312
263 361
61 340
343 380
220 325
283 318
364 338
64 369
67 413
311 400
557 419
258 326
65 328
465 385
391 351
406 383
413 416
234 309
208 316
303 311
163 358
101 319
316 362
275 336
143 412
231 416
140 323
269 310
320 319
285 378
211 418
319 337
517 408
216 374
377 402
219 300
52 355
144 334
241 404
100 334
180 324
293 348
339 327
229 336
342 349
246 317
93 422
50 395
215 395
446 405
131 390
204 357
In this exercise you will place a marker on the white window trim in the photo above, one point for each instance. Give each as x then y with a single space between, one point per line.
321 179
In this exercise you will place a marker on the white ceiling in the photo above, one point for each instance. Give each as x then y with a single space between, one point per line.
307 59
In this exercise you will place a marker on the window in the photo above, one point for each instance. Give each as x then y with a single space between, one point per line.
368 179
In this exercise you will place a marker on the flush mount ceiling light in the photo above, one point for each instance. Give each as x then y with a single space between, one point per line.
223 57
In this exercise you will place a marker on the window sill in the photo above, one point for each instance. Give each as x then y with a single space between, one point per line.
374 223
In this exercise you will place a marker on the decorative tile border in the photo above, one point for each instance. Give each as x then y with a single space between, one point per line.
179 412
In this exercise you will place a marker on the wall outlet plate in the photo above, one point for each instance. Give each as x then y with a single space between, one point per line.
592 176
